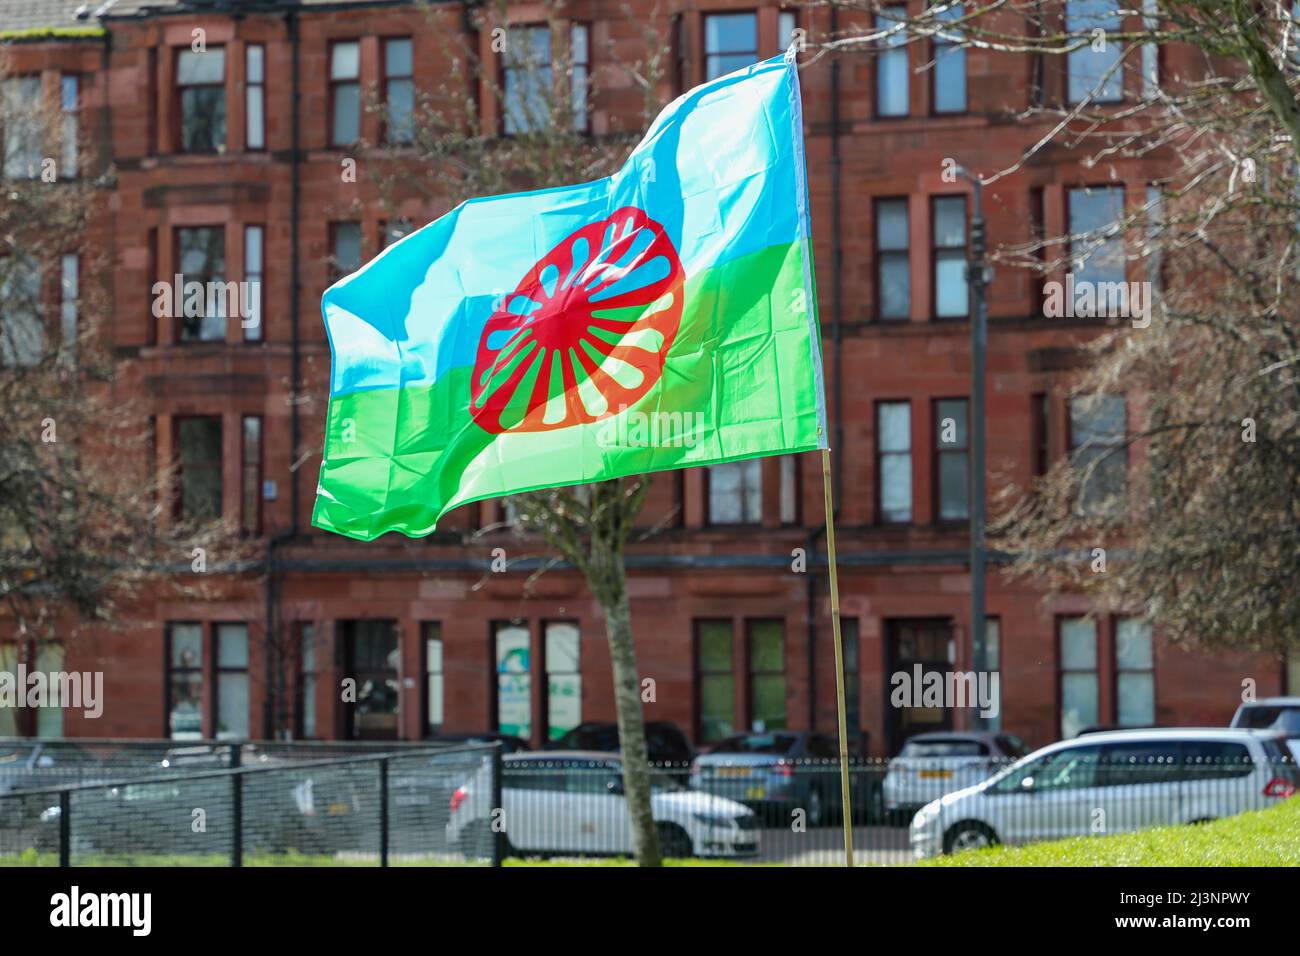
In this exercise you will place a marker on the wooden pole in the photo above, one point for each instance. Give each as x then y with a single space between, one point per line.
845 802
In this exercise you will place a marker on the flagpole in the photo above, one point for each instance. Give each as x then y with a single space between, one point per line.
845 803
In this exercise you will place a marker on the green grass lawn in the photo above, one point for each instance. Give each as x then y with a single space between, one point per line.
1263 838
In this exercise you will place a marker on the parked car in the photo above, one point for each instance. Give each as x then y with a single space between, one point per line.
665 743
25 765
1272 713
1135 778
572 802
933 764
778 772
510 744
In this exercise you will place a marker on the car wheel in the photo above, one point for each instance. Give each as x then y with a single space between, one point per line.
476 840
816 808
969 835
674 841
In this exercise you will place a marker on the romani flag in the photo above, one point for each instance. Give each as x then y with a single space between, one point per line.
664 317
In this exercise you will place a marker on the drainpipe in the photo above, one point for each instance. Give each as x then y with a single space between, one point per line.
274 699
838 398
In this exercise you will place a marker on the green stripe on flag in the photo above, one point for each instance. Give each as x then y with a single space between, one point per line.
734 387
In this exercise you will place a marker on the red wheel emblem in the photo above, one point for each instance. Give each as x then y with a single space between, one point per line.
585 333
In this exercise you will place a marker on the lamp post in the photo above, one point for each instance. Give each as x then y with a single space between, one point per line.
977 277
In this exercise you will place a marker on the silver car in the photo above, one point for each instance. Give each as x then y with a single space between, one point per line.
1272 713
933 764
1112 782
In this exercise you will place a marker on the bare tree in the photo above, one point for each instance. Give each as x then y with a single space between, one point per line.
1202 534
450 149
82 527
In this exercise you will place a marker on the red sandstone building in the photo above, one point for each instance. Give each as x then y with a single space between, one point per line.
228 166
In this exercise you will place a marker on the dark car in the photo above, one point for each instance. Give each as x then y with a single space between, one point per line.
666 745
781 771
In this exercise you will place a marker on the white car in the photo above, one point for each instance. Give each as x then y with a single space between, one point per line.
1111 783
571 802
933 764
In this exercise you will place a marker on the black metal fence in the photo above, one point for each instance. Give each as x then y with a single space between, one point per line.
789 812
385 807
466 804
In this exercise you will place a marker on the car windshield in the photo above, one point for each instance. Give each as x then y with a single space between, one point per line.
944 748
756 744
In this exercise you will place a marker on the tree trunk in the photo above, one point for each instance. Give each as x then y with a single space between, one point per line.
609 582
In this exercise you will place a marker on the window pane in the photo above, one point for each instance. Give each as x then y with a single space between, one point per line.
950 79
401 109
1088 67
1078 644
730 43
397 57
69 285
896 487
1137 703
253 101
894 426
895 287
514 684
954 490
891 66
347 113
255 63
186 645
1097 420
232 646
201 68
22 329
345 61
200 456
347 247
766 646
950 222
253 249
203 119
1099 257
1133 644
715 646
950 424
952 300
251 478
768 702
1078 703
185 719
717 696
731 33
785 27
527 79
564 682
891 224
736 492
21 122
68 126
789 490
232 705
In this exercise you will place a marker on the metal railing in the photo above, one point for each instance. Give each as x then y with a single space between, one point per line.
389 807
466 804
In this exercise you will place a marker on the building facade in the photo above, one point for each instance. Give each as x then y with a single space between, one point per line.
240 138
